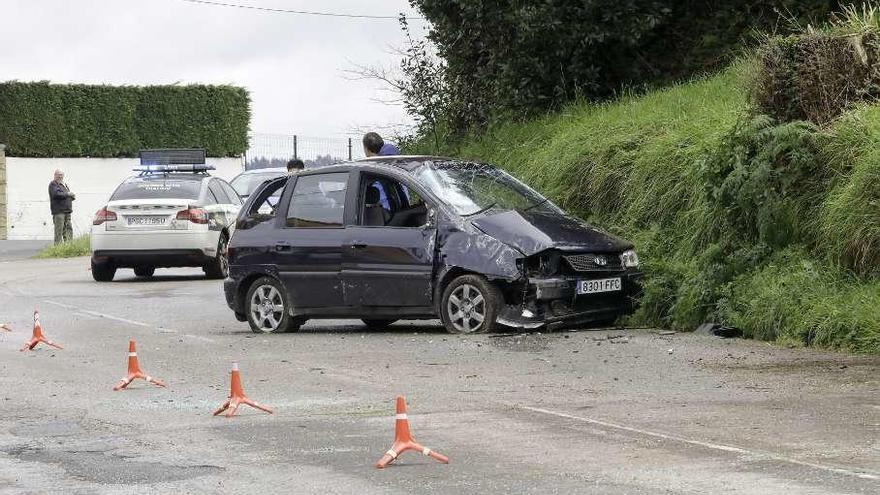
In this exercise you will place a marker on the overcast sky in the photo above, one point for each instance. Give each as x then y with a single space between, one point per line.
293 65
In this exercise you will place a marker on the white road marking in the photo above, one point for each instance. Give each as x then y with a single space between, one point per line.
863 474
125 320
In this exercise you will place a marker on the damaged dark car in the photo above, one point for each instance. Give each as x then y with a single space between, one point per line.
417 237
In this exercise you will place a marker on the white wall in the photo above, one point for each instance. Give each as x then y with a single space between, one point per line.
93 180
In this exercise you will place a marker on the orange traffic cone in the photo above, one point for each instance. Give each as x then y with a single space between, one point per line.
38 336
134 370
237 397
5 327
403 440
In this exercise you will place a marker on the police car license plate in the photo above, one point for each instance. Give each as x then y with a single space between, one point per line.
146 220
600 285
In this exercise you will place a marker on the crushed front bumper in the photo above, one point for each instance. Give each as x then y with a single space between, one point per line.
555 303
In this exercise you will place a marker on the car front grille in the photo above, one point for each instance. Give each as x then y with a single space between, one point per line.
594 262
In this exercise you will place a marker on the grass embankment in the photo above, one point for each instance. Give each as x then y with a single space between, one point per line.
78 246
774 228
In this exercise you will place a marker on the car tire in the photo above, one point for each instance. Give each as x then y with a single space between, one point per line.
377 324
218 268
145 271
103 272
266 306
470 304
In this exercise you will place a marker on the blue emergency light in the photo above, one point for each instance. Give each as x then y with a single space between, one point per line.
167 160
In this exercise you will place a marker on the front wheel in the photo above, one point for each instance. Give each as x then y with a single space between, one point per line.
267 310
103 272
470 304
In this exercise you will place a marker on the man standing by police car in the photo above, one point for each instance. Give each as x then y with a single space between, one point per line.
61 204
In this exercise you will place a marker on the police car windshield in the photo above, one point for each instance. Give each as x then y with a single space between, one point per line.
160 187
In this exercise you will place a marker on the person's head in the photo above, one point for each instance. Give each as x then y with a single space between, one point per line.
59 175
372 143
295 165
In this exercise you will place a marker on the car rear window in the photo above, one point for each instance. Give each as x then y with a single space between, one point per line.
157 188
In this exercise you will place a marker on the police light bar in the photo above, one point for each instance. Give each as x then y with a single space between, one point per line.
172 156
160 169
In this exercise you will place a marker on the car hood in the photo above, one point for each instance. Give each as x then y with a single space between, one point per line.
533 232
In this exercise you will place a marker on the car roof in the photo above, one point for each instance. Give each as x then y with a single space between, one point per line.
403 163
280 170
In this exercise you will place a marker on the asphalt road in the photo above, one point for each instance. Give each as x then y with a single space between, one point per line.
614 411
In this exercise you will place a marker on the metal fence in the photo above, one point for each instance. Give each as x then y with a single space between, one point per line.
274 150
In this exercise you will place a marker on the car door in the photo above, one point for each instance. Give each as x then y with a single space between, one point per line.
226 209
308 247
217 205
386 265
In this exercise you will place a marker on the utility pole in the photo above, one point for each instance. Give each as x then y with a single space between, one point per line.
349 149
295 155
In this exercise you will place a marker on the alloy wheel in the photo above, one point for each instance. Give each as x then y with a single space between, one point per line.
267 308
466 308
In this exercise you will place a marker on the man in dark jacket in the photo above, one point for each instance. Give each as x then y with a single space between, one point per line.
61 204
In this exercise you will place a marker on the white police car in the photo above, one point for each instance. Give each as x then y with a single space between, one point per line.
172 214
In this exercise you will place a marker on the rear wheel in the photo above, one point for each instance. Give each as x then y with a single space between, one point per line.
470 304
219 266
103 272
145 271
267 310
376 324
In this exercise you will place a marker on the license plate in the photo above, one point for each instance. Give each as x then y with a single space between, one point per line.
146 220
600 285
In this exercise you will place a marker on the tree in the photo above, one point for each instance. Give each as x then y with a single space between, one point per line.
506 59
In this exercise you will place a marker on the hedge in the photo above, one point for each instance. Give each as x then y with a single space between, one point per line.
40 119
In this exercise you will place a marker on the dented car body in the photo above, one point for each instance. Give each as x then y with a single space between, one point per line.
421 237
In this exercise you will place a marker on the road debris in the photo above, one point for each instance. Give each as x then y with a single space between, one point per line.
718 330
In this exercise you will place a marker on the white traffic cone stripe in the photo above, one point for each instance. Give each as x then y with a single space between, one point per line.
401 416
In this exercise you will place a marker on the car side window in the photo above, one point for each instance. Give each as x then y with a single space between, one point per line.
263 206
386 202
230 193
216 193
318 201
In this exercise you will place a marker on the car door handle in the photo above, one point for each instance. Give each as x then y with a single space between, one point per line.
358 246
283 247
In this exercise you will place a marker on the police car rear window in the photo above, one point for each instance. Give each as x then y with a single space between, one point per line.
157 188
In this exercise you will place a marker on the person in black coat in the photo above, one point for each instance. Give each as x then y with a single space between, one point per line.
61 204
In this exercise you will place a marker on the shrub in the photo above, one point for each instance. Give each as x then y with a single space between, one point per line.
850 215
78 246
796 300
768 181
73 120
818 75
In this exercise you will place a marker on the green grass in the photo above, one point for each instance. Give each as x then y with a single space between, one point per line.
771 227
78 246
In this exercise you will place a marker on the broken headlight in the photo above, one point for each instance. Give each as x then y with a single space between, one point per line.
542 265
629 259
